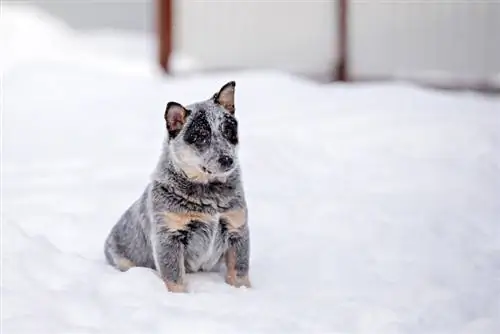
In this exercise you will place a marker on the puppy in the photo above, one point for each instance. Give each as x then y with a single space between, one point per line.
192 216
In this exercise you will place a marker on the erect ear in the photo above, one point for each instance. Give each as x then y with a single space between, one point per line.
225 96
175 117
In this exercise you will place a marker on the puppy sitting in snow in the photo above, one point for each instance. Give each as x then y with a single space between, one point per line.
192 216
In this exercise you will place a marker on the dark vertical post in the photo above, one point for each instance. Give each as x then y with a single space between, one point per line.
341 71
164 23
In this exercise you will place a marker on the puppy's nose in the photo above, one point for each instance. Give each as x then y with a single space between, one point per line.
226 161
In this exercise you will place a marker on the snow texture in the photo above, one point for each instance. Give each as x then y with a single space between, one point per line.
373 208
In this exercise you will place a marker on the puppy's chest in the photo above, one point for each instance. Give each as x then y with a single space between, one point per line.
205 243
205 231
205 235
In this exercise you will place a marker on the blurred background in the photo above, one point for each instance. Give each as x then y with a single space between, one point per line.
453 44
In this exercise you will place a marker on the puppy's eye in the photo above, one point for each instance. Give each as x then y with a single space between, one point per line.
198 132
202 136
203 133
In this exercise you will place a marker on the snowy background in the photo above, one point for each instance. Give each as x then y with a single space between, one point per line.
373 208
441 41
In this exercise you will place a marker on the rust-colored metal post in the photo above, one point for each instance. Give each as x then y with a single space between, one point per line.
164 23
341 70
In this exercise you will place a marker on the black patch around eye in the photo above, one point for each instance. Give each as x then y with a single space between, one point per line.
230 130
198 132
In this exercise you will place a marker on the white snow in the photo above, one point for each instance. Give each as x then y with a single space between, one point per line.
373 208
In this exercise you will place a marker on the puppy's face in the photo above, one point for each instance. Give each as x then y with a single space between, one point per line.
203 137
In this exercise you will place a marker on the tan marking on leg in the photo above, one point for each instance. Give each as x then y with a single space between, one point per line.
180 286
124 264
238 281
231 275
230 262
174 287
178 221
235 218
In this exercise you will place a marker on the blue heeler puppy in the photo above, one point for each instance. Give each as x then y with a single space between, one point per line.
192 216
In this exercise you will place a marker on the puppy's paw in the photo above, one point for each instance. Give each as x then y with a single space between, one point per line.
238 281
175 287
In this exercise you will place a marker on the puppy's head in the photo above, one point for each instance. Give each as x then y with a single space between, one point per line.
203 137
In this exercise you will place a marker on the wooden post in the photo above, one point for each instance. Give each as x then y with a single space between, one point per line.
164 23
341 70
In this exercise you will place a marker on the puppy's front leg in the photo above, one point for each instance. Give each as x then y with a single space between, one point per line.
237 256
169 258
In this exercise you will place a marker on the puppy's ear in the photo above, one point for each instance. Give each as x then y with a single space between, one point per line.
225 96
175 117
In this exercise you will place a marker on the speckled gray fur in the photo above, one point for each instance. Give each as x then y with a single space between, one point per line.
192 179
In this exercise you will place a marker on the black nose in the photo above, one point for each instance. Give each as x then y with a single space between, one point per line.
226 161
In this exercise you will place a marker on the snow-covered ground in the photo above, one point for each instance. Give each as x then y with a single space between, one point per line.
373 208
